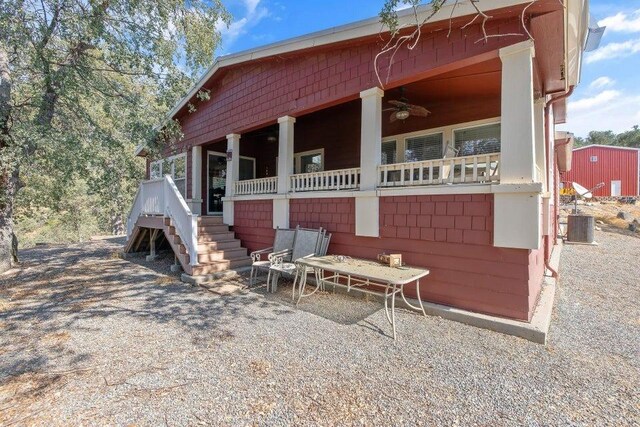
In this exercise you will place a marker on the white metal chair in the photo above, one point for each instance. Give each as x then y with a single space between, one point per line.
282 245
307 242
302 270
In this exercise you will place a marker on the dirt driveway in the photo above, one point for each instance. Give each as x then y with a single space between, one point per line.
90 338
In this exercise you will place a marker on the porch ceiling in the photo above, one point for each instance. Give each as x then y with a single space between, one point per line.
481 80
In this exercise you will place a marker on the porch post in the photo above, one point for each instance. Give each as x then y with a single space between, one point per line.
195 203
370 137
517 164
367 202
517 199
233 173
285 168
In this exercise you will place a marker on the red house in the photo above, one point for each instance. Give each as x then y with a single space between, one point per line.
617 167
301 132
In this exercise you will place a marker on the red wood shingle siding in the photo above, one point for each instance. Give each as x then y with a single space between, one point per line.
256 93
450 235
253 223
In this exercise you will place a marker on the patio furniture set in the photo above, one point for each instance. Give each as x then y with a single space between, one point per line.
301 252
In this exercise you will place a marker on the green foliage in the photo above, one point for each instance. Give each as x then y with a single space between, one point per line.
86 82
630 138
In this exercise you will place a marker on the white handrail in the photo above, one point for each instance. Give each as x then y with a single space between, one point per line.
340 179
183 220
162 197
134 213
256 186
149 200
455 170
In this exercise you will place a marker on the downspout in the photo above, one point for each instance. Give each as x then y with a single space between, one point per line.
547 105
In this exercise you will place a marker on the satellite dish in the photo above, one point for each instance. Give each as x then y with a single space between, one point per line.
581 191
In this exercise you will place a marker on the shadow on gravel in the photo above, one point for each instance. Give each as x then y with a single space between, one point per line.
338 308
58 286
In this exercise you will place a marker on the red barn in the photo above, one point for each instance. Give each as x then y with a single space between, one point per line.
617 167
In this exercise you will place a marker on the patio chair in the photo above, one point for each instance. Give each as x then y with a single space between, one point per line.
282 245
301 270
307 242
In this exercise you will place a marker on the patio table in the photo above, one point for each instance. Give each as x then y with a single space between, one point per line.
356 272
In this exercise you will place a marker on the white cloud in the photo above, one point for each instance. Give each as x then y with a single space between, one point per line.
618 116
403 5
601 82
622 22
600 99
614 50
254 14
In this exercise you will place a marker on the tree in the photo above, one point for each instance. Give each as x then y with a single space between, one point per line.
82 76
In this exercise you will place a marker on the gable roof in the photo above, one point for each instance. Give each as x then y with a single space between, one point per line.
614 147
354 30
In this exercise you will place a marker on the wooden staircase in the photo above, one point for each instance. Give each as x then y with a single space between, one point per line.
218 249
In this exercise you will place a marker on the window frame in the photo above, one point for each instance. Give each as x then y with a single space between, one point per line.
458 129
297 159
447 131
161 162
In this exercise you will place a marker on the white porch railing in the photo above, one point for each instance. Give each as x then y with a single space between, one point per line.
256 186
341 179
161 197
454 170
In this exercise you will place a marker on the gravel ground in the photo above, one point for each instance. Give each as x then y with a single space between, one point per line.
88 338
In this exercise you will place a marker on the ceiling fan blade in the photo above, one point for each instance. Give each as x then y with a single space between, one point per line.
416 110
392 117
398 103
390 109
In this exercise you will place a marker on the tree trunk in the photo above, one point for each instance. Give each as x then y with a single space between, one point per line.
8 240
8 173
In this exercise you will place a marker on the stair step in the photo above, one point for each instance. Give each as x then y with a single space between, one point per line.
215 266
213 229
221 255
215 237
219 245
209 220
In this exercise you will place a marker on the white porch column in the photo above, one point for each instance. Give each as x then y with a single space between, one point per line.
195 203
517 200
233 172
517 163
370 137
285 168
367 202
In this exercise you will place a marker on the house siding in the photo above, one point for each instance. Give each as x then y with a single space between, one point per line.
253 223
253 94
450 235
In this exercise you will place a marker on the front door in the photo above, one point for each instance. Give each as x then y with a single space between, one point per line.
216 181
217 178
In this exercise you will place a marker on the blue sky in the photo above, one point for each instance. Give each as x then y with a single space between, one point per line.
608 97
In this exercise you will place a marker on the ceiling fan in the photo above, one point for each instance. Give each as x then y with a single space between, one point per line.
402 109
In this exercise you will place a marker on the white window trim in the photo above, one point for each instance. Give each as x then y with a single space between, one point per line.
447 135
297 159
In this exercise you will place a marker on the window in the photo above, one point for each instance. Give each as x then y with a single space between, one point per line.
427 147
478 140
389 155
247 168
156 170
174 166
594 159
308 161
